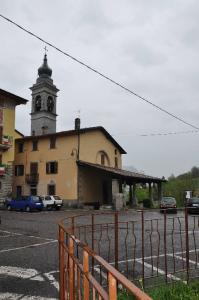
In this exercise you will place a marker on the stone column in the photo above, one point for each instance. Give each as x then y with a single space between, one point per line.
151 192
134 201
159 191
130 195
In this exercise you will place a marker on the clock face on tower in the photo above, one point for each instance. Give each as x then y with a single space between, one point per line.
50 104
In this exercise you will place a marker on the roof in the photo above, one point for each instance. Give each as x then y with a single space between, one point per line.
18 99
119 173
17 131
75 132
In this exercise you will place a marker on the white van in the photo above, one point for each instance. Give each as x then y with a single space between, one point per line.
52 201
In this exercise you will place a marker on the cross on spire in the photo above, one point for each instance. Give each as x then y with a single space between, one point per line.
45 48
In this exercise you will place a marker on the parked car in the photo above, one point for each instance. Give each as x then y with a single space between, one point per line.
52 201
168 204
26 203
192 205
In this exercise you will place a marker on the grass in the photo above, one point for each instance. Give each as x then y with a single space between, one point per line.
178 291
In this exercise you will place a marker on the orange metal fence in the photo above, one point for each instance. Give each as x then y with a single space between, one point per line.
86 275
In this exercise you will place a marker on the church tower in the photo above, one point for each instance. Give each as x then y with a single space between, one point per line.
44 98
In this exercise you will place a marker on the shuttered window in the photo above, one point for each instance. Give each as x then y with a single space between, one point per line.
52 167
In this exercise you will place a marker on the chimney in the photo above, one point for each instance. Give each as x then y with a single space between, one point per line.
77 124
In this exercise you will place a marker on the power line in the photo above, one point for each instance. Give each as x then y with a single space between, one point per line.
157 133
99 73
169 133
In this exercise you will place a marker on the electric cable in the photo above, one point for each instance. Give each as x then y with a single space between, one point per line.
99 73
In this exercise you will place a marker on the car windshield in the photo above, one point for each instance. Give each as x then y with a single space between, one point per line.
57 198
169 200
36 199
194 200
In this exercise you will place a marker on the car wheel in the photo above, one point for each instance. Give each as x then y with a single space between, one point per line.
9 208
27 209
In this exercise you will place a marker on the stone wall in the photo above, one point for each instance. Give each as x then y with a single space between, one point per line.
6 184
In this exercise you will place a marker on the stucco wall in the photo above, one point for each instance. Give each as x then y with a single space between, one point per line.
65 154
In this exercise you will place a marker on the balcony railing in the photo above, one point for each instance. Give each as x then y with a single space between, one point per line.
32 178
2 169
6 142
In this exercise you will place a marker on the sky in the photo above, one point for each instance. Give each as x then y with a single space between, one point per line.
151 47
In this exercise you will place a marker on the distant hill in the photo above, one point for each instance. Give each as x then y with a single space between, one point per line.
176 186
132 169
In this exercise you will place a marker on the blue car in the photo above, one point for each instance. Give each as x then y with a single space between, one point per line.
26 203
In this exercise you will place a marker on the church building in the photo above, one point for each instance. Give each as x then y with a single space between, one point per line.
82 165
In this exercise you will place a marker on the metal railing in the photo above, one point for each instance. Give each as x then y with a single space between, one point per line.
143 247
81 272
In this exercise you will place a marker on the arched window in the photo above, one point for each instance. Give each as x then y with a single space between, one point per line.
102 158
38 103
50 104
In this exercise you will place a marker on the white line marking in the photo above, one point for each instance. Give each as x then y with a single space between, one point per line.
29 246
31 274
10 296
52 279
159 271
31 236
184 259
153 256
102 273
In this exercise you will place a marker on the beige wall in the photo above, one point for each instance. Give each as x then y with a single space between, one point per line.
66 178
91 186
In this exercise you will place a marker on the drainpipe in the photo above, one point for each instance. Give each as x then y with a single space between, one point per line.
77 128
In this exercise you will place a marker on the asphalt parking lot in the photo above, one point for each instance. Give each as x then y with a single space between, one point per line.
29 250
29 254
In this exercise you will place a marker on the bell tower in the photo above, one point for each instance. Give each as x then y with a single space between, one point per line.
44 99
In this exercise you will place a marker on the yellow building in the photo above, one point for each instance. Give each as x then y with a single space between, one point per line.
8 134
82 166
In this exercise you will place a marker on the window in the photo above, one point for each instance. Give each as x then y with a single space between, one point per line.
51 189
115 151
38 103
102 159
19 170
116 162
51 167
34 145
20 147
33 190
33 168
53 142
19 191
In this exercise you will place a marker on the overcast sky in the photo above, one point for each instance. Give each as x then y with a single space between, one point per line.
152 47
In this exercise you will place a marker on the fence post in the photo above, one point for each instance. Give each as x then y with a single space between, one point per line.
165 245
61 265
116 239
142 222
112 286
187 242
86 270
71 269
93 242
